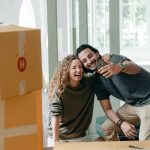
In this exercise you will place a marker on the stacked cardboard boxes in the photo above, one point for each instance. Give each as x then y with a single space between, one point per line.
20 89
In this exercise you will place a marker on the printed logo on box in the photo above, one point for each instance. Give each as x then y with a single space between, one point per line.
21 64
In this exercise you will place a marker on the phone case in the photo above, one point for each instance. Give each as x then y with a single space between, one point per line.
100 63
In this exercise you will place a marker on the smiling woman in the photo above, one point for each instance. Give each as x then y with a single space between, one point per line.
75 72
63 75
71 102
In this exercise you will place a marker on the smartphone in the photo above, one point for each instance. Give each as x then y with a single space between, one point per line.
100 63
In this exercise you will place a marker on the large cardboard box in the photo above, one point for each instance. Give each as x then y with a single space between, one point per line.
20 61
21 122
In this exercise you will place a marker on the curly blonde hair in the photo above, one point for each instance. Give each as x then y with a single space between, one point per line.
60 79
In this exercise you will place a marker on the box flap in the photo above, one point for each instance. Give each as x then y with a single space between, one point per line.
14 28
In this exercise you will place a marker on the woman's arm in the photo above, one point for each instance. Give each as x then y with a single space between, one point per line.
55 127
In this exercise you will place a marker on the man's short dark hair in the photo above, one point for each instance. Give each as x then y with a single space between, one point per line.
83 47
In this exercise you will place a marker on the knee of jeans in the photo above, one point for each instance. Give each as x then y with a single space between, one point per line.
107 127
104 128
143 137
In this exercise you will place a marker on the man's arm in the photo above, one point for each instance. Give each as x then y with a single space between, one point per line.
106 105
111 69
55 127
130 67
127 128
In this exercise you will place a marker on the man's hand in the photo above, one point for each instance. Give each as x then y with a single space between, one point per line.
109 70
129 130
106 57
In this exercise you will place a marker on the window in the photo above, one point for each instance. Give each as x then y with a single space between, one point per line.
98 24
64 28
75 23
135 30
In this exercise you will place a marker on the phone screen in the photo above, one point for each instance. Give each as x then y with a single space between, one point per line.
100 63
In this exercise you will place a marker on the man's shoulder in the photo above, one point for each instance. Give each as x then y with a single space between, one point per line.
118 58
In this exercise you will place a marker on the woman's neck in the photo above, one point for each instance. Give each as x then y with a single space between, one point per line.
74 83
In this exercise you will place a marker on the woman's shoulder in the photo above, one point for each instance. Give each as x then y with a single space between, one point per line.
54 97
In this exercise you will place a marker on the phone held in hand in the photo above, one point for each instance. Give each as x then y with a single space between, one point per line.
100 63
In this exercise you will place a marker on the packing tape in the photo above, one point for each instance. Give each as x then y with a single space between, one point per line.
22 87
18 131
21 43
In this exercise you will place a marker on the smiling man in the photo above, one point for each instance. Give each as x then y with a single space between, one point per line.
126 81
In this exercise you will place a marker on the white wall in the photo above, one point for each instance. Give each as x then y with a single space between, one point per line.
10 11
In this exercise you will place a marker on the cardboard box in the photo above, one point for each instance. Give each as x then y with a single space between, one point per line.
111 145
21 122
20 61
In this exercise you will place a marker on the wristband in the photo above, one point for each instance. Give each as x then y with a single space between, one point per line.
119 123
